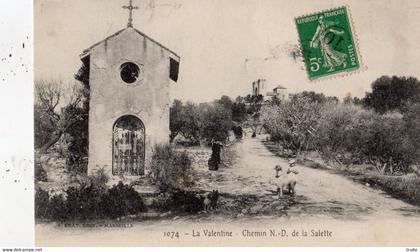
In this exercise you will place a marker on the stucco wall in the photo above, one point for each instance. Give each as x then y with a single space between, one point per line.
111 97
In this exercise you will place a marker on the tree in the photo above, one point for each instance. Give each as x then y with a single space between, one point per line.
216 121
239 112
348 99
191 122
313 97
184 120
56 111
255 103
275 100
240 99
392 93
343 132
293 123
411 127
317 97
349 134
226 102
175 119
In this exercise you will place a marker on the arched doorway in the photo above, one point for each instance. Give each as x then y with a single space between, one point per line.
128 142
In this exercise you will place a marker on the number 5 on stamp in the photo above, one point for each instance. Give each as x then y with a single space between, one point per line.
327 43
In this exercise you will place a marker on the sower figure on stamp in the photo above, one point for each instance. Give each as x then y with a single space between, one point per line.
214 160
332 57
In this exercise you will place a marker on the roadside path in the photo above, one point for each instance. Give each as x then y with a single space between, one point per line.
318 192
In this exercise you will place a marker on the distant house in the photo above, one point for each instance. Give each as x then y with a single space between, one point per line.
259 88
280 92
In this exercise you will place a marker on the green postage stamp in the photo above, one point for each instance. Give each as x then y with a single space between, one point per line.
327 43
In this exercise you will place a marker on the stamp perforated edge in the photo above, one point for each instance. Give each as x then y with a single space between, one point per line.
362 66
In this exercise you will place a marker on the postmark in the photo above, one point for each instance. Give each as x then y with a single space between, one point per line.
327 42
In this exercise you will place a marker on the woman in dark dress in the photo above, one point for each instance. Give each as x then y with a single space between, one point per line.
214 160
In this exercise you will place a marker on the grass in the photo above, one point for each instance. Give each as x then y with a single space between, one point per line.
404 187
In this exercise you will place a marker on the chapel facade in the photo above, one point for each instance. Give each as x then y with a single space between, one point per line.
129 76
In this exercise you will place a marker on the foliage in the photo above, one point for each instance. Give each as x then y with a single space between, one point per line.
346 133
314 97
406 186
275 100
77 151
185 120
91 199
86 200
184 201
58 208
39 172
349 134
412 127
191 127
340 129
122 200
51 116
171 170
42 203
43 127
179 201
255 103
392 93
226 102
175 119
216 122
62 111
239 110
206 121
389 144
292 123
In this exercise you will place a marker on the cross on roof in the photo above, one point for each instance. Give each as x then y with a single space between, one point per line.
130 8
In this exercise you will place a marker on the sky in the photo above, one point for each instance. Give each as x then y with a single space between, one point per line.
225 45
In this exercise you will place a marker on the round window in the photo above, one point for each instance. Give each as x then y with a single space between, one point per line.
129 72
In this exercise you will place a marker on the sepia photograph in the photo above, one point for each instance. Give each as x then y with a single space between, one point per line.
226 123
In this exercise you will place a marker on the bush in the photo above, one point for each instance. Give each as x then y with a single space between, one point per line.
343 131
346 133
40 173
121 200
171 169
84 202
42 203
411 127
188 202
58 208
349 134
178 201
76 163
90 200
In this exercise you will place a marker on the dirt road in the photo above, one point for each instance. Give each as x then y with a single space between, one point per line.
318 192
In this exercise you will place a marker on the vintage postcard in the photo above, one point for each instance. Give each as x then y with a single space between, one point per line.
198 123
